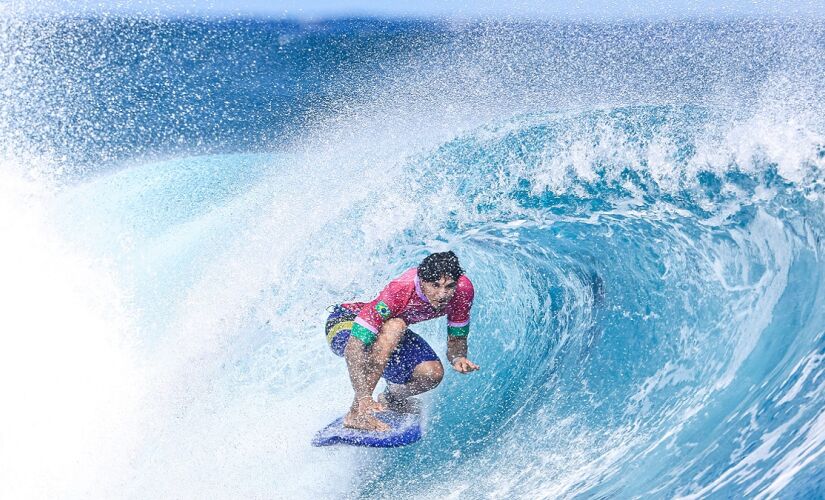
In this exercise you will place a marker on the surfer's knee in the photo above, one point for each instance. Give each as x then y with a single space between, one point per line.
429 373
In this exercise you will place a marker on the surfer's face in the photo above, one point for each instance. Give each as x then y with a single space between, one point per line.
440 292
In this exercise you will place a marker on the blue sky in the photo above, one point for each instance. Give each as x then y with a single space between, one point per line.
554 9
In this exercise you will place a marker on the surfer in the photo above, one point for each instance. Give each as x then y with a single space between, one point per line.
374 339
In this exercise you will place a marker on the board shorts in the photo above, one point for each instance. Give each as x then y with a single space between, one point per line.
409 353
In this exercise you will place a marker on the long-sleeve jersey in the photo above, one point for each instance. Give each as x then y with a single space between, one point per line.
403 298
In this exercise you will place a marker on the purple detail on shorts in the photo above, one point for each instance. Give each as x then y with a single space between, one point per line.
339 311
339 342
411 351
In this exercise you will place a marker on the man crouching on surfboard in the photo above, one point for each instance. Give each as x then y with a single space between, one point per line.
374 339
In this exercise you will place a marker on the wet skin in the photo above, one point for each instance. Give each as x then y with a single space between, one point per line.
366 365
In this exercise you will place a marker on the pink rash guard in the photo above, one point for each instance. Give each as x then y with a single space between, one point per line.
403 298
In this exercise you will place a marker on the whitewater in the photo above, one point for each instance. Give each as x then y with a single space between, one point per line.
639 205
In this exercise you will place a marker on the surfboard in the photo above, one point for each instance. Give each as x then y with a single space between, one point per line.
405 428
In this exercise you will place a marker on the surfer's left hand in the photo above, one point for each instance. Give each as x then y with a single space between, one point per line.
464 365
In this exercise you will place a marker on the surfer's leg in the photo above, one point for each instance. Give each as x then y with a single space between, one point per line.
426 376
413 368
391 335
365 367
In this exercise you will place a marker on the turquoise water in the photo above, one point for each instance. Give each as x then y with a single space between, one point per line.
639 206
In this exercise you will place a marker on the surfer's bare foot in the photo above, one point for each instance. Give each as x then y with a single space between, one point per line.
360 415
401 405
364 421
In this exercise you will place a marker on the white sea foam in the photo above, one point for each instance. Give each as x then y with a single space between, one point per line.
68 373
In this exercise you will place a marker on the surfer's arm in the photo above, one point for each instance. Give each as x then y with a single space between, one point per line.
458 326
366 362
375 333
457 355
456 348
458 310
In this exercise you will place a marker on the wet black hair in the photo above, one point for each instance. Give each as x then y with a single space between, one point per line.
439 264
